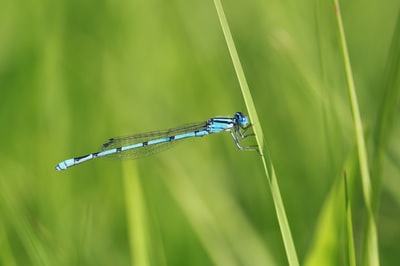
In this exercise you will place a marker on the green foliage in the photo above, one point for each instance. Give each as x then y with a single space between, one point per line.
74 73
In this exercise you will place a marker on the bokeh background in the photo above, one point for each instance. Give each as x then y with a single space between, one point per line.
74 73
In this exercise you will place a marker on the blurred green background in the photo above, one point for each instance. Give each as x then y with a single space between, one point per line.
74 73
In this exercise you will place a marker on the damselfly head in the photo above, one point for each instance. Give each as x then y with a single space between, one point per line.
241 119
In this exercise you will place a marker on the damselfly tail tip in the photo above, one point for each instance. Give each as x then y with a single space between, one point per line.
61 166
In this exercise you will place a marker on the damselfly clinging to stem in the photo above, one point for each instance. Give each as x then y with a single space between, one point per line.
141 145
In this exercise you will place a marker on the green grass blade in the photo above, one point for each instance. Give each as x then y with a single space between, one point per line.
371 238
349 225
326 244
268 166
216 227
392 92
6 255
29 237
329 239
136 216
388 107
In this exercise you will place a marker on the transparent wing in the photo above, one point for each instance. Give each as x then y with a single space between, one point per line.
148 150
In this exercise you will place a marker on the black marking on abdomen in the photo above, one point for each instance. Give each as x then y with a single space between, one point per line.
171 138
145 143
77 159
119 149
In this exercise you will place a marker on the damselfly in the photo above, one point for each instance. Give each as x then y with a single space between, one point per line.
141 145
